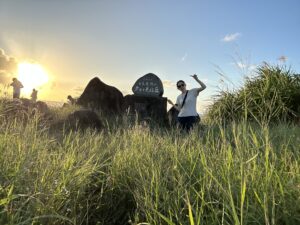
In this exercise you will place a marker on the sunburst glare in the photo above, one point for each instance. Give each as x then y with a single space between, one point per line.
32 75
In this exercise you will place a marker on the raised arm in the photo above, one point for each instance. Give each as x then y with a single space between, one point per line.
202 85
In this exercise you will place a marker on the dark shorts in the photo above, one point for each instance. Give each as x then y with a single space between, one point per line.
16 95
187 122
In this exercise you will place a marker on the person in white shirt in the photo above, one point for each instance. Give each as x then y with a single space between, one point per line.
17 85
186 104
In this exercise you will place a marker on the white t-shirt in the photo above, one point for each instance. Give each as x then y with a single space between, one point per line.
189 108
17 85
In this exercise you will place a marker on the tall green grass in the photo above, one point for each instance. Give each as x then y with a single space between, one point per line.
238 174
271 95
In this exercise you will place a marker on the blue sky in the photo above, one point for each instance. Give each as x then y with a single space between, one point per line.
122 40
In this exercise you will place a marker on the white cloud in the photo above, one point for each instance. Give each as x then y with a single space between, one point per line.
184 57
282 59
8 67
168 83
241 65
231 37
245 66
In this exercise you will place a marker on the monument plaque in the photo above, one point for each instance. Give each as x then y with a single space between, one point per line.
147 101
148 85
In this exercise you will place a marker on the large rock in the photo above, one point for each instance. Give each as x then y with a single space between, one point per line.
152 109
41 107
83 119
148 85
105 98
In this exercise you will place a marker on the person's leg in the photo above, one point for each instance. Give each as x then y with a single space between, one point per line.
187 123
16 95
198 119
182 122
191 120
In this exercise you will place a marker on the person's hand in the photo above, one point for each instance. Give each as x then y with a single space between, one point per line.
170 102
195 76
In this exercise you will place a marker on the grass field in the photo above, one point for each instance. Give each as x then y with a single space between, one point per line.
239 174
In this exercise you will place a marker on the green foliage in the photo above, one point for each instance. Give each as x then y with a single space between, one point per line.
272 95
241 174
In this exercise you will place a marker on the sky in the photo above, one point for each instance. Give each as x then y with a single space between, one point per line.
122 40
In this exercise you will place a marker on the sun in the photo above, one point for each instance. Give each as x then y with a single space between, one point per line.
32 75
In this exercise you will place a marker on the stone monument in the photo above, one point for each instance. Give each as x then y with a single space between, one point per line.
147 101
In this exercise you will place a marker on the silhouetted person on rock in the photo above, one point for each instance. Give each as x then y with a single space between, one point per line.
34 95
72 101
17 85
186 104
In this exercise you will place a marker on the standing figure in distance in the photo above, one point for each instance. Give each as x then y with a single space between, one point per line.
17 85
34 95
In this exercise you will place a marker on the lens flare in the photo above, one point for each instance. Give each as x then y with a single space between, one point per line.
32 76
